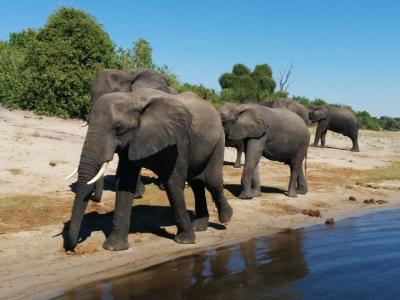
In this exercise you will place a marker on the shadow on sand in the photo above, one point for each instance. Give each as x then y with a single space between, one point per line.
329 147
230 163
235 189
144 219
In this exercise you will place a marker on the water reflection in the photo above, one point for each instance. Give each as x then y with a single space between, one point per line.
257 269
358 258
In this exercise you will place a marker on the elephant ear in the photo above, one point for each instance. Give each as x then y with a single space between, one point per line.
164 122
249 124
321 114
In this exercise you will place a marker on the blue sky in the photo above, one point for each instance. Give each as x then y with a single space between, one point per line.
343 51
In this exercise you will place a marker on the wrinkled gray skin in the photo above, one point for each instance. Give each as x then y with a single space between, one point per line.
277 134
290 104
336 119
110 80
224 111
179 137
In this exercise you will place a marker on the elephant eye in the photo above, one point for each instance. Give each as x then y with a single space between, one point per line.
118 129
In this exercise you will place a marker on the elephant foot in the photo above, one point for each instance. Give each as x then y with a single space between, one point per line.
237 165
246 195
185 237
225 213
355 150
114 243
161 186
302 191
291 194
95 197
256 192
200 224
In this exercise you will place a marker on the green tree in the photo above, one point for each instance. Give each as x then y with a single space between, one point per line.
302 100
63 61
242 84
123 59
143 54
12 75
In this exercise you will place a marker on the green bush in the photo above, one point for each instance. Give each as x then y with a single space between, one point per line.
63 61
242 84
302 100
388 123
366 121
12 75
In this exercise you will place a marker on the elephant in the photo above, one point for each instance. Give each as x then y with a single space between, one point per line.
111 80
290 104
238 144
179 137
336 119
277 134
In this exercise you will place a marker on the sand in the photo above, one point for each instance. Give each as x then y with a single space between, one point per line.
35 201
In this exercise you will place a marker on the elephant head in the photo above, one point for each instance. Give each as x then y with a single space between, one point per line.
317 113
139 124
109 81
242 121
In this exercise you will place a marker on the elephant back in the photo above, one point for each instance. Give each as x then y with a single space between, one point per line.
206 129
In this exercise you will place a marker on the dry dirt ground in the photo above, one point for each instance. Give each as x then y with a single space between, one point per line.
35 202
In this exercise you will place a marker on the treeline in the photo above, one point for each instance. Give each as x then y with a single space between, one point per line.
50 70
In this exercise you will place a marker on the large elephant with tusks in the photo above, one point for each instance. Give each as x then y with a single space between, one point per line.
178 137
111 80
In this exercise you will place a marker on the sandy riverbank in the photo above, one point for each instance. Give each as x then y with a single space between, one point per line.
35 201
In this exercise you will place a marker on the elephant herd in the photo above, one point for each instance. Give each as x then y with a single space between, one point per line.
181 138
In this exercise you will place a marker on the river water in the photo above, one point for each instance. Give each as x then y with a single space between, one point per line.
357 258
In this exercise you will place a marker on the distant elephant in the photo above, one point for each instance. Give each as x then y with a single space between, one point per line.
290 104
336 119
275 133
225 111
110 80
178 137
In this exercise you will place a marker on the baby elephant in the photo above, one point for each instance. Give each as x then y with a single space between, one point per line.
275 133
337 119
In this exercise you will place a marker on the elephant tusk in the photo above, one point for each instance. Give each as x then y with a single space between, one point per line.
99 174
84 124
72 174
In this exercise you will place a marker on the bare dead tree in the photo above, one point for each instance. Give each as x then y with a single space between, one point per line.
284 77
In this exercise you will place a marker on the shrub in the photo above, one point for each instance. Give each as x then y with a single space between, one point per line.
12 75
366 121
63 62
242 85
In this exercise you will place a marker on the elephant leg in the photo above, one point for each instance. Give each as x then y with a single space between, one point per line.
126 174
301 182
323 135
214 182
354 139
255 183
252 158
318 134
293 180
200 223
174 187
140 189
239 151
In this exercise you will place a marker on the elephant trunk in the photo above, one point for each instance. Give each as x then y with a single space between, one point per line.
89 165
